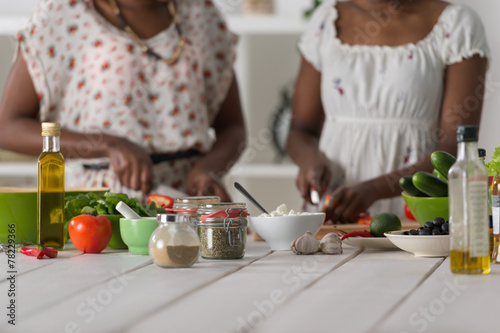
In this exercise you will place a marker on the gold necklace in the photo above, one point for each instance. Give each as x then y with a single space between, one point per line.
144 47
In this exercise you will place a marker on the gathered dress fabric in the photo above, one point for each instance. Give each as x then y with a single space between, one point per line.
93 78
382 103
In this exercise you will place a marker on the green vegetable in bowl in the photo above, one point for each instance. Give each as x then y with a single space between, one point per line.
494 166
96 204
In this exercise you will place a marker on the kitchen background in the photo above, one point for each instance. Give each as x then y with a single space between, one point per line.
266 67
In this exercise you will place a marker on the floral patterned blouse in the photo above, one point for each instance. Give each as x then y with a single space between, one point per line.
93 78
382 104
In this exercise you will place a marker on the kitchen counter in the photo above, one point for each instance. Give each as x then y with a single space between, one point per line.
357 291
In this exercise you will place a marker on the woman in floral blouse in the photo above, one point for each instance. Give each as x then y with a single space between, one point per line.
144 90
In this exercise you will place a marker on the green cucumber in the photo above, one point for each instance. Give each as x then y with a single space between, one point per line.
439 175
442 162
430 184
406 185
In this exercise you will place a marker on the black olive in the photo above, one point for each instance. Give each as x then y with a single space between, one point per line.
438 221
413 232
445 227
424 231
436 231
429 225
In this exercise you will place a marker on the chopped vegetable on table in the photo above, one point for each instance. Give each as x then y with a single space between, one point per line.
357 233
39 251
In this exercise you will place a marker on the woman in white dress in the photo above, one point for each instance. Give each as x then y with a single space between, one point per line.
381 86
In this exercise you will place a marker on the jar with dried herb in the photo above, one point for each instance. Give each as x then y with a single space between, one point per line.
174 243
222 228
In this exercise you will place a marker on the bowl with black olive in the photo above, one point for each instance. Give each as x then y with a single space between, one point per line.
430 240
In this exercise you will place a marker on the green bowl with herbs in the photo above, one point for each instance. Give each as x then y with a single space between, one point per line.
137 232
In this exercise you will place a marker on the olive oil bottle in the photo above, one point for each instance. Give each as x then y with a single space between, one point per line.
50 194
468 207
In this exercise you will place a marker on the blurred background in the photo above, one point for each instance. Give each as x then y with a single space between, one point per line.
266 67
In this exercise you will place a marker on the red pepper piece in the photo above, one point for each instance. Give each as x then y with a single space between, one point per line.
358 233
50 252
31 252
161 201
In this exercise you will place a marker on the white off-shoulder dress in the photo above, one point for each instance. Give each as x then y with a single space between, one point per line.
382 104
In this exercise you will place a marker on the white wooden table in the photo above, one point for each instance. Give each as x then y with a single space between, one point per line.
358 291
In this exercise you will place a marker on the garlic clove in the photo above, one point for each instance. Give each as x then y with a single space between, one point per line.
331 244
305 244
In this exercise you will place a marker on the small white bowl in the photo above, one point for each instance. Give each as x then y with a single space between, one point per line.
420 245
280 231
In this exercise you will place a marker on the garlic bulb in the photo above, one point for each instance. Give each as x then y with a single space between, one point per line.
331 244
305 244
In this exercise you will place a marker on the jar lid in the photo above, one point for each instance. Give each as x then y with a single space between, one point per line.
481 152
51 129
210 213
197 200
168 218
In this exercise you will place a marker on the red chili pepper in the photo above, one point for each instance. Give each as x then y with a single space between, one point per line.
358 233
32 252
39 251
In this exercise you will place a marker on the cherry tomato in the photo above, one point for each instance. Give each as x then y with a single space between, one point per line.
90 234
408 213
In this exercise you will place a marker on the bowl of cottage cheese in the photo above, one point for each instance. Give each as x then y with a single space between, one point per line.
281 226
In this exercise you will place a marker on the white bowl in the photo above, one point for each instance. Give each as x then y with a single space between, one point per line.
280 231
421 246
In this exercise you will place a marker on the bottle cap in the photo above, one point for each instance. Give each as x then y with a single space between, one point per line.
51 129
481 152
467 133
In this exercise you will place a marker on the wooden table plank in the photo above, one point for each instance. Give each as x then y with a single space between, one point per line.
113 304
354 297
448 302
233 303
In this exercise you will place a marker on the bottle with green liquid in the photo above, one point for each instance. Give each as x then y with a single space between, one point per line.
50 193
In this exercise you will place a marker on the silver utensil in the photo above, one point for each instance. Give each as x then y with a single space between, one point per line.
249 197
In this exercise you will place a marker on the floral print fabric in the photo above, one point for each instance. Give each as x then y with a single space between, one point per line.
92 78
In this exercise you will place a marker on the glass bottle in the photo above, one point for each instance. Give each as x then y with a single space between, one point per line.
50 189
468 207
495 212
174 244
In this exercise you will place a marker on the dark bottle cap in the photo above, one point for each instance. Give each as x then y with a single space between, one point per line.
481 152
467 133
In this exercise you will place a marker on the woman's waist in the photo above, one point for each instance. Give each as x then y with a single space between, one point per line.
378 121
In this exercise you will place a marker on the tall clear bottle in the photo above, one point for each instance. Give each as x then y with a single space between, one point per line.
50 194
468 206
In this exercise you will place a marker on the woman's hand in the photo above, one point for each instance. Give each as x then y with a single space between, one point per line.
314 173
348 202
131 164
201 182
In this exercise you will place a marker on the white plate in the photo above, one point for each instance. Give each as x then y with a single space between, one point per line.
421 246
379 243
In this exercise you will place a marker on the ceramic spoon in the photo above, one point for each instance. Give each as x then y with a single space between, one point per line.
249 197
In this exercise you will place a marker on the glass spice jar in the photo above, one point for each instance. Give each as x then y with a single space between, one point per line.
222 228
174 243
189 206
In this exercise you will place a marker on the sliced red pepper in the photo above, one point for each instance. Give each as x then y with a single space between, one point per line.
50 252
161 201
357 233
31 252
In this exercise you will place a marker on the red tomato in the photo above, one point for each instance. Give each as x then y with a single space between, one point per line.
90 234
408 213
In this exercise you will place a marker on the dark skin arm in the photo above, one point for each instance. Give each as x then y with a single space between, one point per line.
19 114
462 80
205 178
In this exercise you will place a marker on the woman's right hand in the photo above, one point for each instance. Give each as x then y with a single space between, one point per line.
315 172
131 164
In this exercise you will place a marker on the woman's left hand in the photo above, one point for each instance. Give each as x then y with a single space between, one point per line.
348 202
202 183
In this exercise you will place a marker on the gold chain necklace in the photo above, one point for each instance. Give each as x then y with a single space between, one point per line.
144 47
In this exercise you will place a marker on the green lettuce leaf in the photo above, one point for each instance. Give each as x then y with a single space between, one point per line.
494 166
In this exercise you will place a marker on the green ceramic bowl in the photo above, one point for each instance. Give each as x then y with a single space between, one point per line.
116 241
136 233
18 207
427 208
